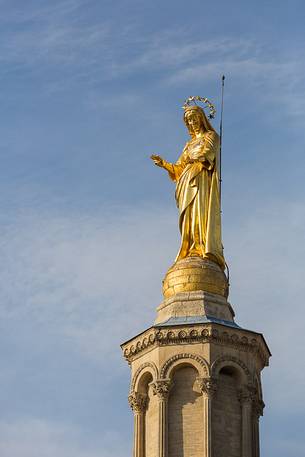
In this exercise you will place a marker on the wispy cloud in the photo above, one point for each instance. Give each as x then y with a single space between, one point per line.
75 284
85 276
41 40
272 76
36 10
266 258
61 271
54 41
171 50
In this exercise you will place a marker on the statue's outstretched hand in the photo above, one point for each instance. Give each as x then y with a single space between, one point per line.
158 160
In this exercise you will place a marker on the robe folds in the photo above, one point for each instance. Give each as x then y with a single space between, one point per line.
198 198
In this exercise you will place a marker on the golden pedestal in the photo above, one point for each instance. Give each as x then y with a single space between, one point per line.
193 274
195 287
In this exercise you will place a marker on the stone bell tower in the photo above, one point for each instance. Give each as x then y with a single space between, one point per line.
195 373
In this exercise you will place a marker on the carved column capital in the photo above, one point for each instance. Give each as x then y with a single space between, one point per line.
247 395
161 387
138 402
258 408
207 386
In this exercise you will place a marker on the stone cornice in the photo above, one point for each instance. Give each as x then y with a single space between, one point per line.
241 339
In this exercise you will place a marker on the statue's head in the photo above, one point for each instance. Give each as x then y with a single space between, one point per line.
196 120
195 117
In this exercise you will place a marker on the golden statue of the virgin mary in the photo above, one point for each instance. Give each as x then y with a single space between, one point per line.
196 174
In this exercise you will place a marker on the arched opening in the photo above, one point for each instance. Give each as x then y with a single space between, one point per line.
151 415
230 371
226 414
185 414
142 383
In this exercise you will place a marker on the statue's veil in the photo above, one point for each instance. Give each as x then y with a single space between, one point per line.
208 128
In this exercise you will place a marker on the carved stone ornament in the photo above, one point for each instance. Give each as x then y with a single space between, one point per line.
204 333
247 395
228 359
207 386
138 402
258 408
202 362
161 387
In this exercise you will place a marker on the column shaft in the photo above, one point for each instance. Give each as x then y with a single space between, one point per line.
256 437
139 435
246 429
208 388
207 426
163 427
138 403
161 387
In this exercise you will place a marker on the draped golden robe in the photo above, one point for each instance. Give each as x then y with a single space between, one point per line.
198 198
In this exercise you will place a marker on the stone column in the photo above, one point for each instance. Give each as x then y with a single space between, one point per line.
161 387
208 387
138 403
246 397
257 411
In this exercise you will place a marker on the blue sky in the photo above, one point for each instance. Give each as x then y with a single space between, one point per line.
89 90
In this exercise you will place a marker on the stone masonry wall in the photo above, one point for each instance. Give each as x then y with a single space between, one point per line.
151 425
226 419
185 418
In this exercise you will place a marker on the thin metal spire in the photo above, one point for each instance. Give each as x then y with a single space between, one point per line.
220 130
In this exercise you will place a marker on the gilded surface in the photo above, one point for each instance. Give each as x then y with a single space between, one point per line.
197 189
193 274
